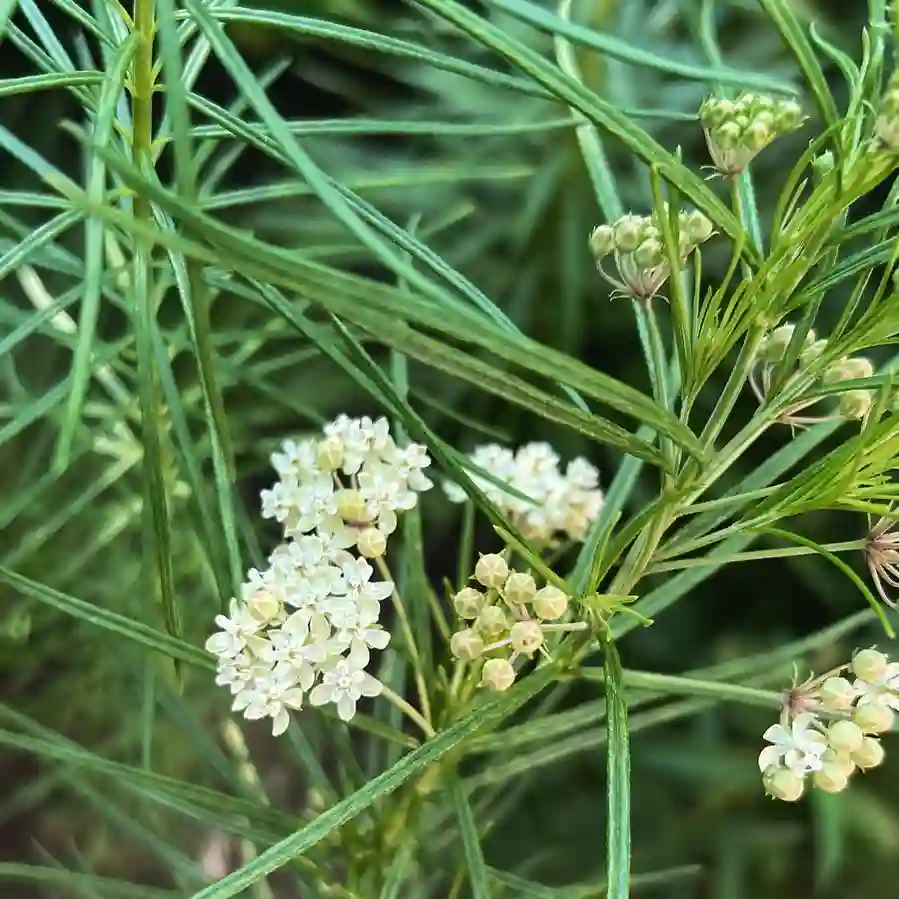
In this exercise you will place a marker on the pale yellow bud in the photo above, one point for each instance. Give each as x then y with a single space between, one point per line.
492 622
840 761
329 454
550 603
849 369
869 755
831 779
351 505
466 645
371 543
602 241
468 602
837 694
870 665
629 232
781 783
526 637
519 588
844 736
873 719
263 606
492 570
856 404
497 675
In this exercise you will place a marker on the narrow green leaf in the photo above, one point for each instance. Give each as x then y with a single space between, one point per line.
471 842
111 621
431 752
618 783
64 879
7 9
28 84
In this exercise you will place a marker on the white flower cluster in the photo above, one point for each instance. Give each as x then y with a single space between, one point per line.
828 729
542 502
510 620
307 623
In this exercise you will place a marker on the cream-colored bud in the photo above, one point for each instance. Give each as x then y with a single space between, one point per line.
839 760
698 227
497 675
469 602
873 718
856 404
329 454
775 344
550 603
844 736
629 232
492 622
714 111
757 136
781 783
602 241
519 588
649 254
263 606
849 369
351 505
526 637
492 570
869 755
837 694
371 543
788 116
727 136
831 779
466 645
870 665
812 352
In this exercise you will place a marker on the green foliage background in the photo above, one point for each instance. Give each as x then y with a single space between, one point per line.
512 211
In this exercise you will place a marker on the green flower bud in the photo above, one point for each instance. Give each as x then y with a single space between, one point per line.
629 232
469 602
870 665
492 622
727 136
466 645
697 227
526 636
714 111
869 755
886 130
856 404
649 254
492 570
812 352
788 116
550 603
497 675
873 718
849 369
844 736
602 241
757 136
823 164
781 783
519 588
775 344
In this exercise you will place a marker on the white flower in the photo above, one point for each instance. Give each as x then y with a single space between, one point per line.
281 500
542 501
295 461
270 697
236 630
344 685
883 690
798 747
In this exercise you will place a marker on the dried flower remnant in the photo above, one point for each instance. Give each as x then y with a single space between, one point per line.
306 625
736 131
882 556
853 405
829 727
635 244
544 502
504 618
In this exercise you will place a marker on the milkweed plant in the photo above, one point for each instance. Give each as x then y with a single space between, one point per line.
316 609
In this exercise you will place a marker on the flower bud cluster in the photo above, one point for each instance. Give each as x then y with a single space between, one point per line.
543 502
504 617
736 131
830 726
635 244
853 404
886 125
311 617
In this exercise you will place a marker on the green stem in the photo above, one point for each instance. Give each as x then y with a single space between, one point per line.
408 710
776 553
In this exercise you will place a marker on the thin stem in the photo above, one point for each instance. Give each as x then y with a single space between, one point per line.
780 552
409 637
672 685
408 710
